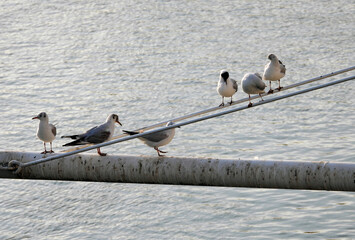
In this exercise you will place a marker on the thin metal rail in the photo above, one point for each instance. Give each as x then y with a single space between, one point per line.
16 164
227 105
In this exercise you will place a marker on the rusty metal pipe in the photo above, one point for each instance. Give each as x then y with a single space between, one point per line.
188 171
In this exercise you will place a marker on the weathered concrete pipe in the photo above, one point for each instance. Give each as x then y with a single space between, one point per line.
188 171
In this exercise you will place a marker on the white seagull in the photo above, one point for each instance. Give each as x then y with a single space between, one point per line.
46 131
158 139
226 87
274 71
252 84
95 135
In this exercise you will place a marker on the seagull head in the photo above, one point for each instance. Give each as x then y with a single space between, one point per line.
258 75
114 118
170 123
224 75
271 57
42 116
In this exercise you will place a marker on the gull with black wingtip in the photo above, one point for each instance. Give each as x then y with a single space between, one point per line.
46 131
226 87
274 71
158 139
252 84
95 135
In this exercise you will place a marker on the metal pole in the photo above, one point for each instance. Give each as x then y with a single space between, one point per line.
234 103
189 171
21 165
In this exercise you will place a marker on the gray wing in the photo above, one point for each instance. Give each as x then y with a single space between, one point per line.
156 137
259 84
282 67
81 136
97 134
54 129
90 131
99 137
235 85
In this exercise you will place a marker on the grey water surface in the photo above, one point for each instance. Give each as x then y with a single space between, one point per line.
150 61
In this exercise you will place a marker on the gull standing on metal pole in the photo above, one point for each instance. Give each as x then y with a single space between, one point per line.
46 131
95 135
252 84
226 87
158 139
274 71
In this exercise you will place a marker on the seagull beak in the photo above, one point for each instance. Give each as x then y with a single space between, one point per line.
119 122
35 118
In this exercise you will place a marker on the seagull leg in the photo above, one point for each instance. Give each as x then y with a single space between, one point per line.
279 88
45 150
270 91
261 97
222 104
230 103
159 151
250 104
51 148
100 153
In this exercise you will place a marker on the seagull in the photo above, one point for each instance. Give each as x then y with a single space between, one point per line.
46 131
252 84
95 135
226 87
158 139
274 71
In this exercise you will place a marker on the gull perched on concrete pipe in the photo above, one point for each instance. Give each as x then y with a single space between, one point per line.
95 135
46 131
252 84
158 139
274 71
226 87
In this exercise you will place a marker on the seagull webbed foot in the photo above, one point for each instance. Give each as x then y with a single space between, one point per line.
279 88
45 152
159 151
100 153
250 104
161 155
